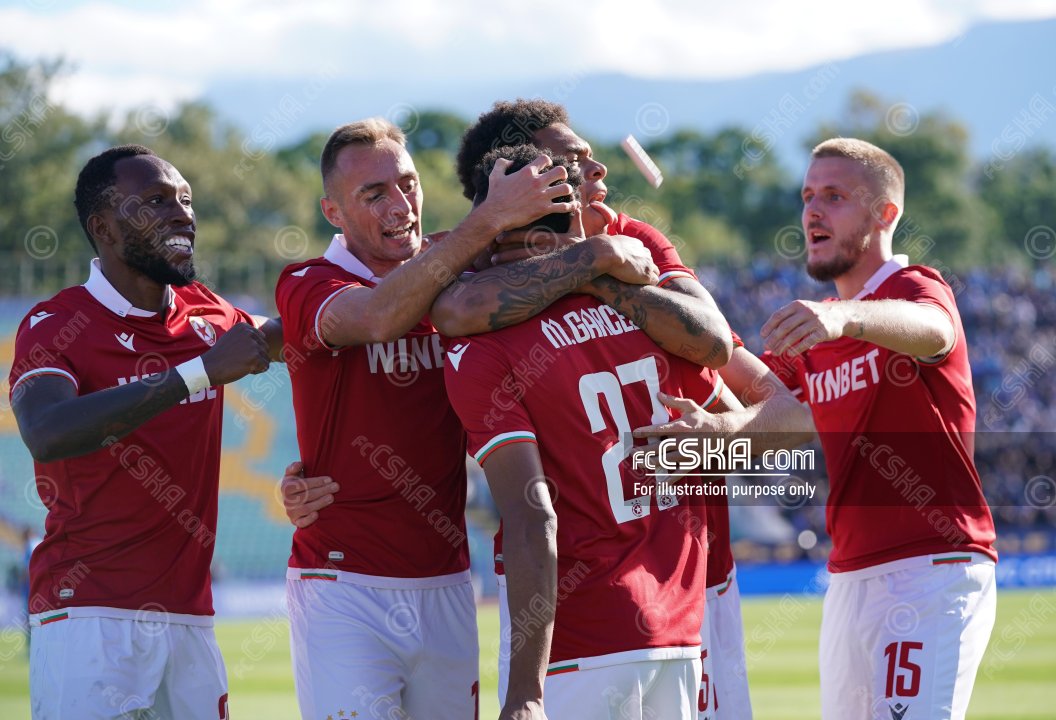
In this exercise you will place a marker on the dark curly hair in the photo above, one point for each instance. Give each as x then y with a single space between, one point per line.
96 181
506 124
519 156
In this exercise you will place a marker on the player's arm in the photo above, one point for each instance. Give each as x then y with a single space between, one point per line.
512 293
681 317
529 552
769 427
56 423
914 328
763 408
385 313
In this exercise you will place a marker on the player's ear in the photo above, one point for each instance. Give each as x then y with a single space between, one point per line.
888 214
99 229
331 212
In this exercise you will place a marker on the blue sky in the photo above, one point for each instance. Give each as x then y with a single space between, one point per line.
127 54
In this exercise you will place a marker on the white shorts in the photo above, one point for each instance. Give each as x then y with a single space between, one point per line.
643 690
384 653
904 640
646 690
91 668
729 675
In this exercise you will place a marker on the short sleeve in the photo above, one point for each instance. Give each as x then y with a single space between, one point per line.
483 390
787 371
302 296
44 337
664 253
737 342
925 286
703 385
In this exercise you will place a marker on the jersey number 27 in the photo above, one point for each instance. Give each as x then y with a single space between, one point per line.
595 386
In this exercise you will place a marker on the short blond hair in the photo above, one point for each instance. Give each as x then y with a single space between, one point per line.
881 169
364 132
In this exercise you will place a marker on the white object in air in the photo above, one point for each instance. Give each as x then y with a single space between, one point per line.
642 161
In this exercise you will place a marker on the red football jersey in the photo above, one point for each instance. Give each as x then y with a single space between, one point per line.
720 551
576 379
698 386
897 436
131 525
376 418
665 256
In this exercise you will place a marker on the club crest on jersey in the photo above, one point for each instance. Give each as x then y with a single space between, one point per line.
204 329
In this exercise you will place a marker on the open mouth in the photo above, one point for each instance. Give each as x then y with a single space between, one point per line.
180 245
400 233
818 236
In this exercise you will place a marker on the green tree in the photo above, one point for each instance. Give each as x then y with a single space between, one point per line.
432 130
1020 193
41 145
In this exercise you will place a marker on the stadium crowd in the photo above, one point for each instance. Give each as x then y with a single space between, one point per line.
1009 317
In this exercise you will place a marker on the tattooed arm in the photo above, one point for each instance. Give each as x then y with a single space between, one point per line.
512 293
681 318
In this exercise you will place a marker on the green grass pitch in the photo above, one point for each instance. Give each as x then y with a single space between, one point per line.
1015 681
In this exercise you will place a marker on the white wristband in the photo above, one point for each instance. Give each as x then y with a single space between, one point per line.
194 375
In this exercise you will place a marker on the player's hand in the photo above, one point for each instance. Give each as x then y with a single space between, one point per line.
801 325
525 711
692 419
674 466
597 216
519 199
302 497
629 260
241 351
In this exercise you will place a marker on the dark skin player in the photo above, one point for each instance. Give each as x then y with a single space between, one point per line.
144 242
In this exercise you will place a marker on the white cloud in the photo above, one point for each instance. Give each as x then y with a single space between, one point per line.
132 54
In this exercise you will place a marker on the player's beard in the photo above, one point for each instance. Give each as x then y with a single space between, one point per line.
848 252
146 256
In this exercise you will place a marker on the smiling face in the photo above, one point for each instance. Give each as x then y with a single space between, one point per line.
149 220
840 229
561 141
374 197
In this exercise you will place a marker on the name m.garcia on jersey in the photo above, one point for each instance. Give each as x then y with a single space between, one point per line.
584 325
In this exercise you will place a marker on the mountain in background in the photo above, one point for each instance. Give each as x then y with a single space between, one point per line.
997 79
